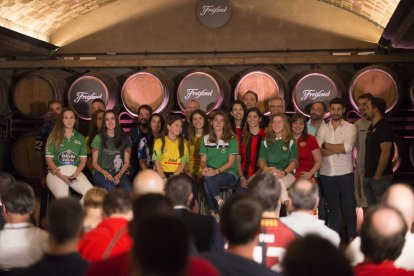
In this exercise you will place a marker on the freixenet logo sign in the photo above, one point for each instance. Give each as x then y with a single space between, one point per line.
213 13
86 96
197 93
313 94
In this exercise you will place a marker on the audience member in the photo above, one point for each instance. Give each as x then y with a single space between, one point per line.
274 234
401 197
313 255
382 240
21 243
147 182
92 206
65 229
110 237
240 223
337 140
203 229
6 180
304 196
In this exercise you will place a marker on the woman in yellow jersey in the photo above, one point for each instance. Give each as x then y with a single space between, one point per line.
171 151
197 129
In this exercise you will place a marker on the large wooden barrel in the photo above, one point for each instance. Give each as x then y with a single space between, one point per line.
26 161
91 86
33 92
4 94
380 81
266 82
412 154
206 86
412 92
315 86
150 87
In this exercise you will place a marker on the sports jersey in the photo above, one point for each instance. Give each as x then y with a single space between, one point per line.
305 148
250 153
169 156
217 154
110 158
69 151
194 154
278 154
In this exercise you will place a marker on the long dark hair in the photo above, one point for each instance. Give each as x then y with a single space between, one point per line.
119 133
227 131
58 132
93 129
162 120
191 128
231 119
181 141
297 117
246 129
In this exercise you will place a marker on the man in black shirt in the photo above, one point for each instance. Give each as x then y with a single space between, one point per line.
379 151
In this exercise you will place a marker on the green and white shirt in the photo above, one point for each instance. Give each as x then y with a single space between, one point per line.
111 158
69 151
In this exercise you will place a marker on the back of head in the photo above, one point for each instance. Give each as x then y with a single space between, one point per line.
117 201
382 234
324 259
6 180
161 246
401 197
304 195
267 189
240 219
379 104
147 181
19 198
94 197
179 189
65 218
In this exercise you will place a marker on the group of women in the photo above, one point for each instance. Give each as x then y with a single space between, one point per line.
220 150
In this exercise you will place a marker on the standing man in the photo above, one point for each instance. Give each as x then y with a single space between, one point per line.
379 152
191 106
317 113
276 105
97 104
250 99
337 140
135 135
362 126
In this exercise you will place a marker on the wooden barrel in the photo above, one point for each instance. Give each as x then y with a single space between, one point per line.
412 153
4 94
315 86
266 82
26 161
91 86
412 92
33 92
380 81
206 86
150 87
396 159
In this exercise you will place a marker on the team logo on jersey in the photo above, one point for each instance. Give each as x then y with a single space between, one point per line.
302 144
67 157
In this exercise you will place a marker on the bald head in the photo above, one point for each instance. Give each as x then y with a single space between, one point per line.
148 182
387 222
304 195
401 197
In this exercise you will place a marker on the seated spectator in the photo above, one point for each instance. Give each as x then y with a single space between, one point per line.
65 228
146 206
313 255
92 206
240 224
204 229
274 235
401 197
304 196
6 180
382 240
110 237
146 182
21 243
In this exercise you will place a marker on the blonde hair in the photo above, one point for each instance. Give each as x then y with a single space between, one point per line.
94 197
286 133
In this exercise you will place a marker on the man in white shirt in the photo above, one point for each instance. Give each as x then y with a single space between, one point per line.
317 113
337 140
21 243
401 197
304 196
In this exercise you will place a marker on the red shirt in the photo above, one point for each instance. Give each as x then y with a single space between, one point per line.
305 148
93 244
250 153
382 269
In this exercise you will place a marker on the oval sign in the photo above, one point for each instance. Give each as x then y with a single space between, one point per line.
213 13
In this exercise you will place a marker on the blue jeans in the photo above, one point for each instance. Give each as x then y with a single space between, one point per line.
336 189
99 180
212 186
374 189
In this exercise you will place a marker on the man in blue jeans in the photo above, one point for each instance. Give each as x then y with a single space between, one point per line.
337 140
379 151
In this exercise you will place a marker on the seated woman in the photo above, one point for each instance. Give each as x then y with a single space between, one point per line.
146 144
94 128
218 152
310 158
171 151
252 138
279 152
66 157
92 206
111 151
